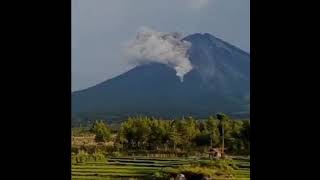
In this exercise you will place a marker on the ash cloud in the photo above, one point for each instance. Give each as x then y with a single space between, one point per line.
162 47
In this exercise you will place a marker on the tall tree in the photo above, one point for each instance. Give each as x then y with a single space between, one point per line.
101 131
212 125
175 136
245 134
222 119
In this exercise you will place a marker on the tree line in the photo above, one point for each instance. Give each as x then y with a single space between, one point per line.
144 133
185 134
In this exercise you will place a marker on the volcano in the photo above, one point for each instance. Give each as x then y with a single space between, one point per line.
218 82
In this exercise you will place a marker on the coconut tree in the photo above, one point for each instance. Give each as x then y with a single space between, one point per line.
222 118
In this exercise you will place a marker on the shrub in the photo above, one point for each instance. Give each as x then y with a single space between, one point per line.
105 148
89 148
190 172
159 175
116 154
73 158
82 157
197 172
224 164
98 157
75 149
202 169
101 131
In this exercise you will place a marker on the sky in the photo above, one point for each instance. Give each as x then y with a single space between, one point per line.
101 28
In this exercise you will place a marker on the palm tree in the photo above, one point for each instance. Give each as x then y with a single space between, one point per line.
221 118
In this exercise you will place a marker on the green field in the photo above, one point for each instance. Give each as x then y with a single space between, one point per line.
141 167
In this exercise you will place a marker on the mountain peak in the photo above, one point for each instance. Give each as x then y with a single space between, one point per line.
218 82
216 60
211 40
202 36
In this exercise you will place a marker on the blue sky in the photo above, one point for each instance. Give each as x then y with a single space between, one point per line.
100 28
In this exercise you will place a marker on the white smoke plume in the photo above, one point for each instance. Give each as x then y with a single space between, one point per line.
161 47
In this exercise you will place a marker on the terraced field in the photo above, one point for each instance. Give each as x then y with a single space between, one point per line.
243 171
139 168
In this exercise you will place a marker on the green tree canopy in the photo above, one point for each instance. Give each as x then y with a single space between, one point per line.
101 131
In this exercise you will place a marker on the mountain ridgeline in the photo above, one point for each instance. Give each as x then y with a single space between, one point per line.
218 82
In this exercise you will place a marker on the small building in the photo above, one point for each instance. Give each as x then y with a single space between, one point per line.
215 153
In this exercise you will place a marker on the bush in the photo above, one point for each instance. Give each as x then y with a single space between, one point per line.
81 157
73 158
98 157
219 164
105 148
197 172
190 172
101 131
89 148
159 175
202 169
225 166
116 154
75 150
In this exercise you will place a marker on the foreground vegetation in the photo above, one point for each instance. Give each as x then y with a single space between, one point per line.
160 168
150 148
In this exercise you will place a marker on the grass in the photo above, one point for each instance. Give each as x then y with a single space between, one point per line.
140 167
113 167
90 178
117 174
146 161
115 171
133 164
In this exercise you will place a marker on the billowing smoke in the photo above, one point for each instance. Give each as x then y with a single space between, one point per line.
161 47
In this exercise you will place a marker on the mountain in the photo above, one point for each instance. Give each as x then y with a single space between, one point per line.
219 82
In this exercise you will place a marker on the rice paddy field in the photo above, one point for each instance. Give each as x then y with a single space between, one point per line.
127 168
